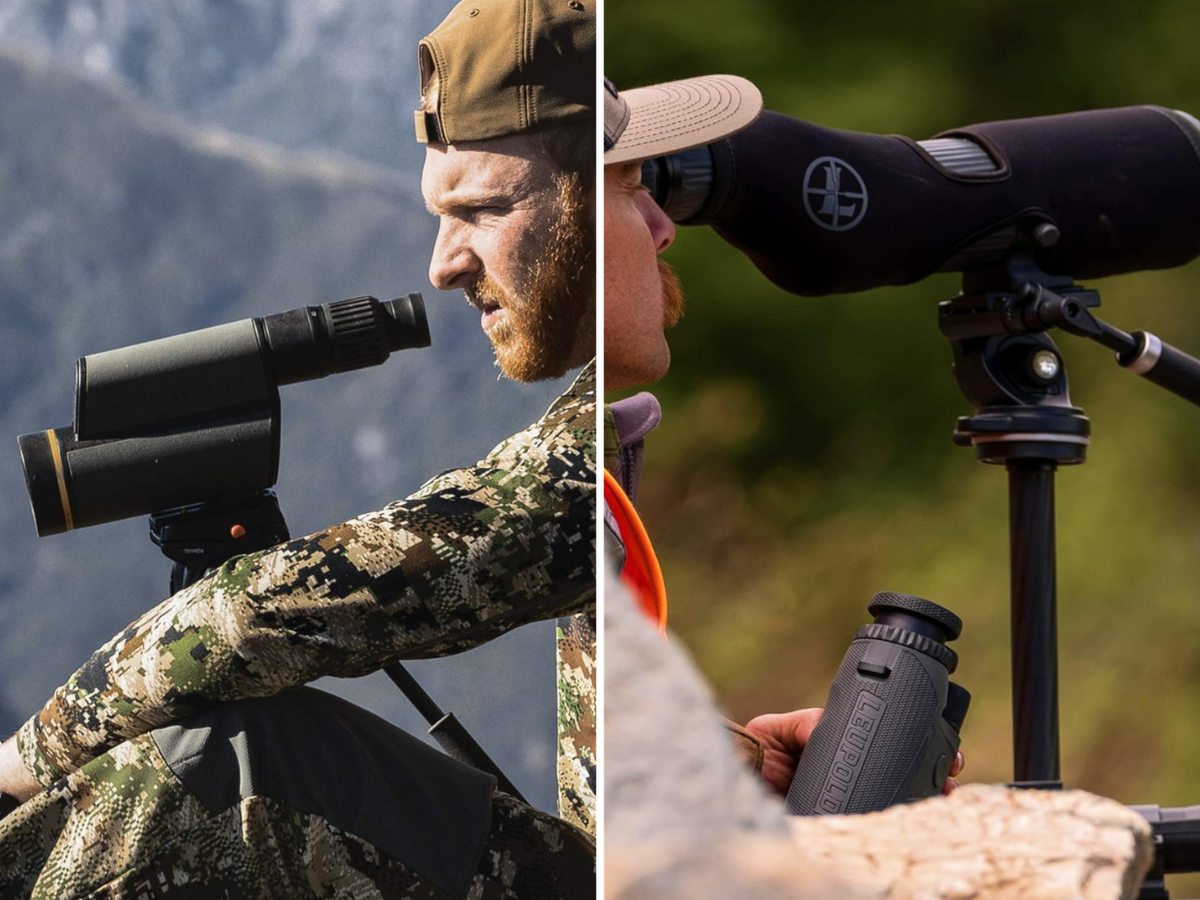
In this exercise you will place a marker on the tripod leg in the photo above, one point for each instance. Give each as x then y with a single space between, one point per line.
448 731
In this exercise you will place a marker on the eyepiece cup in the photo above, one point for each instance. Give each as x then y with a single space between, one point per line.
412 324
884 601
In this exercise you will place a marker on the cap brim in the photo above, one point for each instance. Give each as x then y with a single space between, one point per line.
678 115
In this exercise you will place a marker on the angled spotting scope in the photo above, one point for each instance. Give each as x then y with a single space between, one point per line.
194 417
824 211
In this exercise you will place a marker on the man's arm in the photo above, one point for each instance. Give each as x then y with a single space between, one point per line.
474 553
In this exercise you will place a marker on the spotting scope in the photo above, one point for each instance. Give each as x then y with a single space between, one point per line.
823 211
194 418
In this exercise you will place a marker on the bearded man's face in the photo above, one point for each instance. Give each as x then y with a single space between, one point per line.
642 297
518 237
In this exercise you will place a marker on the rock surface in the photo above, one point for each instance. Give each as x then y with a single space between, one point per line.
668 765
745 866
988 842
684 820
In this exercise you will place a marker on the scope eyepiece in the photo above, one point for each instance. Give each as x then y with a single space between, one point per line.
316 341
916 614
409 326
692 187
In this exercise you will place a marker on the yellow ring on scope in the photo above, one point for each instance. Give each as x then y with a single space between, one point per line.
62 478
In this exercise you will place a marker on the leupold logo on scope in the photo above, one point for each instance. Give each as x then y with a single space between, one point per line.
834 194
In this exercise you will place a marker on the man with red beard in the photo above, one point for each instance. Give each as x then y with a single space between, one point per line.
185 759
642 299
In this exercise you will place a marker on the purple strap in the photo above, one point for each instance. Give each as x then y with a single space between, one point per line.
635 418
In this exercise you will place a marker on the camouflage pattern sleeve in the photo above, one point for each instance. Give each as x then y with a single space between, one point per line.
474 553
577 708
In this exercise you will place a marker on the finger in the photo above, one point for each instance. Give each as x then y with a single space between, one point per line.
778 771
959 762
788 732
803 723
949 787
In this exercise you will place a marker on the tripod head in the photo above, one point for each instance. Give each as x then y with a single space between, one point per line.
1011 371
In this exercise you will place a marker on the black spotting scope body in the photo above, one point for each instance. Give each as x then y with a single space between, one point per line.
195 417
823 211
889 732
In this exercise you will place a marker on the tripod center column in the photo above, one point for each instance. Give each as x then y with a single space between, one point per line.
1034 622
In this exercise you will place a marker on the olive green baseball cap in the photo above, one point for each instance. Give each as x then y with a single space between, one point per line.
499 67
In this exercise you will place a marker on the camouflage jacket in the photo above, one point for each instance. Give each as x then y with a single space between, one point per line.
472 554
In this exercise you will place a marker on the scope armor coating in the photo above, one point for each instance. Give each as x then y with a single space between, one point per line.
171 379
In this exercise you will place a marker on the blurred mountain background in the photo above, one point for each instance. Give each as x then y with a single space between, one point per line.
805 462
170 166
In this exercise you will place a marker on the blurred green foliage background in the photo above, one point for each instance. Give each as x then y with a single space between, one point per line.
804 460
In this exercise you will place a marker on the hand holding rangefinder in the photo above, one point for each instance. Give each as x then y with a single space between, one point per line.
195 417
890 728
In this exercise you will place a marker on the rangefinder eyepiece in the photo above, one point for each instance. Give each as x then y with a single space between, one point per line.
890 728
195 417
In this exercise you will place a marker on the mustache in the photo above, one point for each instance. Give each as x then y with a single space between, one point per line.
484 291
672 293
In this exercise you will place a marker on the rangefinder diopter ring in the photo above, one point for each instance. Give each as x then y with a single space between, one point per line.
876 631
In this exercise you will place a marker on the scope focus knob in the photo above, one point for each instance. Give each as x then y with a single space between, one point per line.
357 332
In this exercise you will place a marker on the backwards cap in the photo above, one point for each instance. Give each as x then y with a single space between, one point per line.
499 67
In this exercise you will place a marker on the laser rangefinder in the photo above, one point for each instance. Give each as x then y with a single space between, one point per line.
890 728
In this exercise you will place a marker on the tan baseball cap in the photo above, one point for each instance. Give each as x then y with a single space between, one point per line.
497 67
677 115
